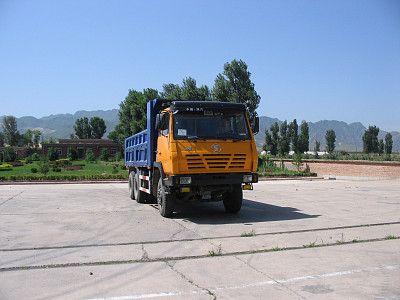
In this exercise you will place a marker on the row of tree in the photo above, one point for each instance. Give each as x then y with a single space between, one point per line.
84 129
89 129
232 85
11 136
280 139
371 144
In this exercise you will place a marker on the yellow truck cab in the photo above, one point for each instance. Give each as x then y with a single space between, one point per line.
192 150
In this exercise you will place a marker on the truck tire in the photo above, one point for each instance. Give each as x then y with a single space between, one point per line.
130 183
138 194
165 201
233 199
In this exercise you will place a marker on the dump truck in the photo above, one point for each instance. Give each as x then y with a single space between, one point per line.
192 151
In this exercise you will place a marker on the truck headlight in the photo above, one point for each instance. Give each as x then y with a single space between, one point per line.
247 178
185 180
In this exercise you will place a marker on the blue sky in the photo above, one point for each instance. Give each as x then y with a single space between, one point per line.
309 60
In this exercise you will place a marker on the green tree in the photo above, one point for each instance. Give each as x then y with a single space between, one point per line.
11 134
26 138
268 141
235 85
388 143
1 139
272 139
104 154
132 114
330 138
317 148
90 155
284 139
304 144
381 149
52 154
98 127
294 135
9 154
187 91
36 138
72 154
370 140
82 128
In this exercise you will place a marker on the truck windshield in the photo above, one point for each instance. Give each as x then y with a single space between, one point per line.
210 125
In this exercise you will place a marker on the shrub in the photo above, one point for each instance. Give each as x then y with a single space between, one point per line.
35 157
56 169
104 155
5 167
34 170
63 162
115 169
52 154
9 154
118 156
298 161
72 154
44 167
28 160
90 156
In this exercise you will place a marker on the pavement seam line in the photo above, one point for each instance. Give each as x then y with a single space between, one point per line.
191 281
179 258
199 239
12 197
282 284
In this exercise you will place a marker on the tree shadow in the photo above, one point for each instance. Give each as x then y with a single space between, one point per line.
251 212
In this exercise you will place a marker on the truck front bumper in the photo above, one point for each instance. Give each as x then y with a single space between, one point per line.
211 179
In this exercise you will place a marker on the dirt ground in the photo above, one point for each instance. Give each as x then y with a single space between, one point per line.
351 169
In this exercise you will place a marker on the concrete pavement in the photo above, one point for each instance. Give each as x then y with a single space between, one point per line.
292 239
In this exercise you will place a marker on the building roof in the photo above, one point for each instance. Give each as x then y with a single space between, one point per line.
86 142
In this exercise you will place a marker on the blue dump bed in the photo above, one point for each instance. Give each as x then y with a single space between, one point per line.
139 148
136 150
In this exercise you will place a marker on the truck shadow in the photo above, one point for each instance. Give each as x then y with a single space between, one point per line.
251 211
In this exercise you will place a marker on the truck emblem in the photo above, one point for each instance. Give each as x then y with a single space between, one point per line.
216 147
188 148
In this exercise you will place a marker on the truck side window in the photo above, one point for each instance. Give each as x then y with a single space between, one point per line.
164 129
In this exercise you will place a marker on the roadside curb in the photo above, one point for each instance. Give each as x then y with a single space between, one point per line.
61 182
290 178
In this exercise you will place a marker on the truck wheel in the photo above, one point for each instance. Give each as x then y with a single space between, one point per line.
165 201
138 194
130 183
233 199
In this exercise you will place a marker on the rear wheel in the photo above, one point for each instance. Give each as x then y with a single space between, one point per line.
233 199
139 195
165 201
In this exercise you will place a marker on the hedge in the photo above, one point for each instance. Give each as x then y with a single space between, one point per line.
62 177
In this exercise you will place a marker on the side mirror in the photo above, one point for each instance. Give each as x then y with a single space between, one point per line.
255 126
158 122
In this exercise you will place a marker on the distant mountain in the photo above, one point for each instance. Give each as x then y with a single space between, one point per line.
62 125
348 136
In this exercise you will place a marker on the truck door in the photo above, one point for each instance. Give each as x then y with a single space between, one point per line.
163 144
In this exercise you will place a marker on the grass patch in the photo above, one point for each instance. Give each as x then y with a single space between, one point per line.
277 248
99 170
248 234
310 245
390 237
215 252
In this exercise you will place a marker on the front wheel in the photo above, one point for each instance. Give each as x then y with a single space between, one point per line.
233 199
164 200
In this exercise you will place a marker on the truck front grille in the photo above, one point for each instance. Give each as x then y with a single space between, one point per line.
215 161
